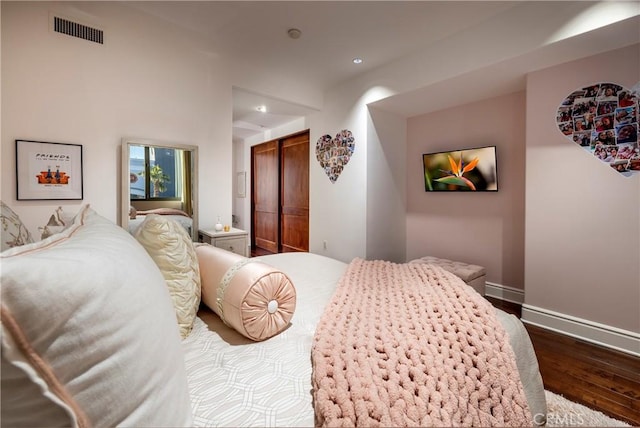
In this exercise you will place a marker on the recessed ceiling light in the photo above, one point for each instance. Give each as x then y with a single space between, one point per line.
357 60
262 109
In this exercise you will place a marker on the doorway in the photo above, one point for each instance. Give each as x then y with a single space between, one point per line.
280 195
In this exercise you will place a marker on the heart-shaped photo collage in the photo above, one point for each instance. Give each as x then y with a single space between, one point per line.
333 154
603 119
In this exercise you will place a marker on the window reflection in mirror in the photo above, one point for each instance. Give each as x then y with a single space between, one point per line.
158 178
156 173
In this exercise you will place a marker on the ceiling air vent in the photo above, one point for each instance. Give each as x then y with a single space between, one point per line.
64 26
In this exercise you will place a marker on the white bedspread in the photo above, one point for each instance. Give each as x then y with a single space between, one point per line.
236 382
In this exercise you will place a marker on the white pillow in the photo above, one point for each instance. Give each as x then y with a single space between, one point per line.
169 245
88 333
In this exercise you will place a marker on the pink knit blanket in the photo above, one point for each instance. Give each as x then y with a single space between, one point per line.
413 345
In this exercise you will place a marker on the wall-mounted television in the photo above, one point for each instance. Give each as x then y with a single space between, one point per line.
461 170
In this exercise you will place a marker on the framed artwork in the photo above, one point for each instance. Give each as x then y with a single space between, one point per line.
242 184
48 170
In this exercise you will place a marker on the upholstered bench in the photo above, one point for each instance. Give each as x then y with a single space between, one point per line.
473 275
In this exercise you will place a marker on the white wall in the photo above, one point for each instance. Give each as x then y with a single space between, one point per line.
147 80
239 167
338 211
386 186
582 253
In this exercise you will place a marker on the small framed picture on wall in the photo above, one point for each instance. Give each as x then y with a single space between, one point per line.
48 170
241 183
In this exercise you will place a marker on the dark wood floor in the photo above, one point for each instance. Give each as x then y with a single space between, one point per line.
598 377
257 252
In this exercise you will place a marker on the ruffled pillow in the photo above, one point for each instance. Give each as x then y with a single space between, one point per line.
172 249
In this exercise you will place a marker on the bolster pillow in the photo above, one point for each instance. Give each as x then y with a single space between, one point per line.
253 298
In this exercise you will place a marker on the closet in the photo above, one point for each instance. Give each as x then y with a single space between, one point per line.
280 194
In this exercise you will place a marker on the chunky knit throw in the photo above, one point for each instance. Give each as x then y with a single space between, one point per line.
413 345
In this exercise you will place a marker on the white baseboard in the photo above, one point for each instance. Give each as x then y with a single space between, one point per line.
503 292
590 331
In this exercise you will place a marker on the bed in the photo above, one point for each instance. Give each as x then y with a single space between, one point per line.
63 364
234 381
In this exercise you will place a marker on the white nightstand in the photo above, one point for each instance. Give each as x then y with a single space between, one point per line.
235 240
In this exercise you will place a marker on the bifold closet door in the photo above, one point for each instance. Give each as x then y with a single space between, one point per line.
265 177
294 193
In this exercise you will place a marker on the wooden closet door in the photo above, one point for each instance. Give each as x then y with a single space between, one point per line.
294 193
265 160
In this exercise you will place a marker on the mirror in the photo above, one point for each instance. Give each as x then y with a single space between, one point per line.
159 178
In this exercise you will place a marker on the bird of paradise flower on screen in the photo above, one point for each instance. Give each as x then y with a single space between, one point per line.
455 176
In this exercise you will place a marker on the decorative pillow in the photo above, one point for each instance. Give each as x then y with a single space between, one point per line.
169 245
88 333
253 298
58 222
13 232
